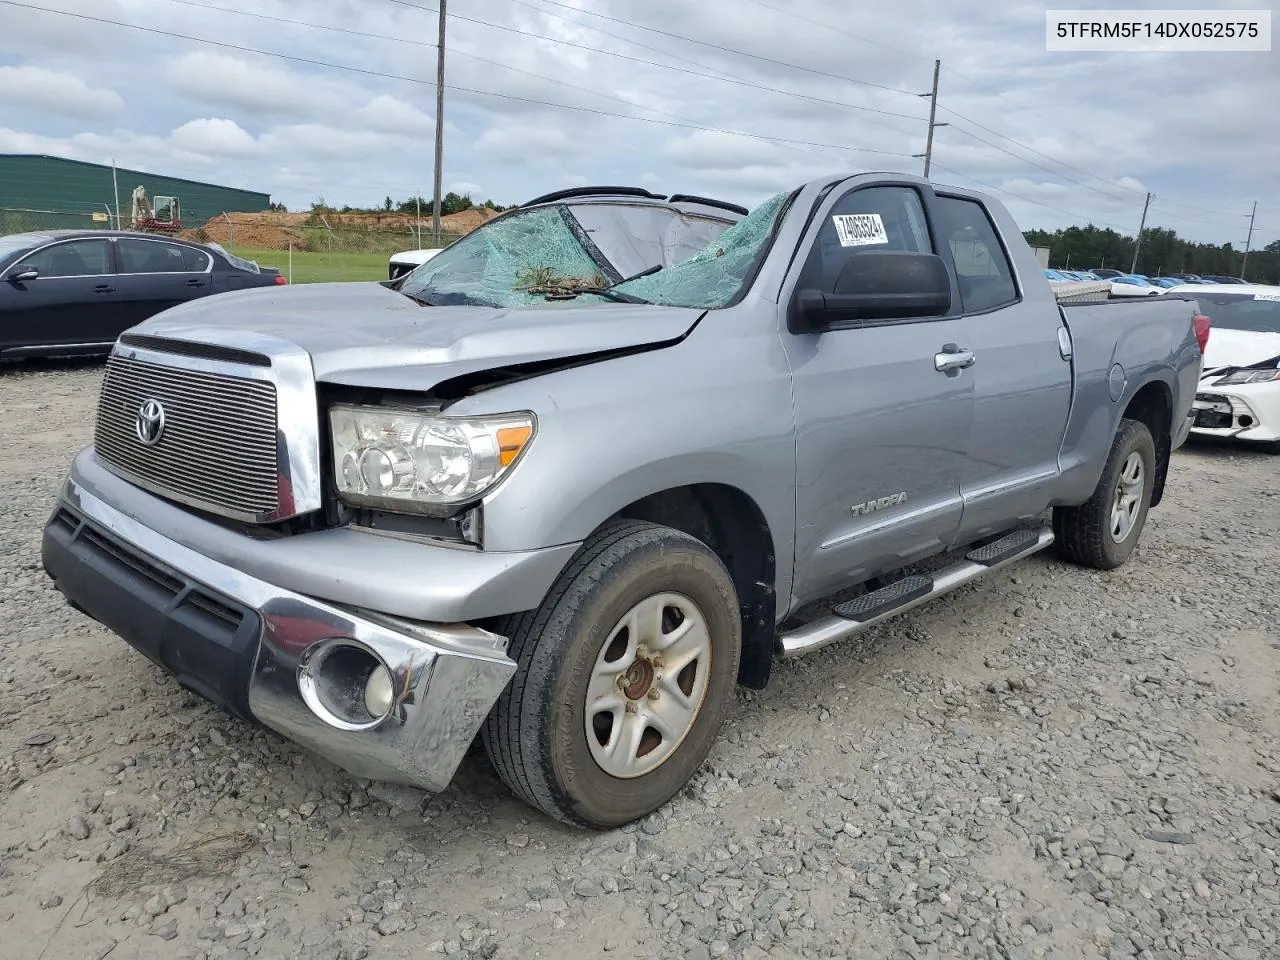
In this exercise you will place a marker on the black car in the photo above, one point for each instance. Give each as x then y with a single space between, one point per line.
74 292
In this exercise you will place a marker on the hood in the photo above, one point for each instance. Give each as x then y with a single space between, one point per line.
1239 348
363 334
414 256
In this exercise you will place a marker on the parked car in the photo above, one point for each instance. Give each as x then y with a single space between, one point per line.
571 518
1057 276
1239 394
1132 286
1106 273
74 292
634 243
1215 279
407 261
1164 282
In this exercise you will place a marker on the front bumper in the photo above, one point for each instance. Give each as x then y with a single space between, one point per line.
1251 412
240 641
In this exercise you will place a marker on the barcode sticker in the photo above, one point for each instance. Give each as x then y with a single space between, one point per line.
1267 296
859 229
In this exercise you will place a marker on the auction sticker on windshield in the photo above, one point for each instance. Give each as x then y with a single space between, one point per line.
859 229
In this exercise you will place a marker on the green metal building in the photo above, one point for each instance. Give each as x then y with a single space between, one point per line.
41 192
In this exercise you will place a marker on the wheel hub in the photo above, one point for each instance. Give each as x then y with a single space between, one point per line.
648 684
638 679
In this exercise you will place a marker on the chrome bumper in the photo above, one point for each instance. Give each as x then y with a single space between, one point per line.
447 676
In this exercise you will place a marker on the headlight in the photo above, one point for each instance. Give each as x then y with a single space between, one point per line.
406 460
1247 376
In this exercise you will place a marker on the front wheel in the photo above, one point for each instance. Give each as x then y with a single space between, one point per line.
623 677
1104 530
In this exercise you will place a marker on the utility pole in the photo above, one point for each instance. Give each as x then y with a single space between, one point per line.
1249 242
933 121
115 186
1137 244
435 210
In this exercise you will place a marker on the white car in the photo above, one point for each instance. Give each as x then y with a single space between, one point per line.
1239 393
1129 286
407 261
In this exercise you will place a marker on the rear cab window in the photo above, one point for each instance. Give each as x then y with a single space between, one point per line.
983 269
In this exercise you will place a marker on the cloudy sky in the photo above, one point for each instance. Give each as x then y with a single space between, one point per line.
730 98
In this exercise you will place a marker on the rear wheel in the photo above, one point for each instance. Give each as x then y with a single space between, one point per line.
623 678
1103 531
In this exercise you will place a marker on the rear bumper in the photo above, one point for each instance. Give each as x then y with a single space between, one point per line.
241 642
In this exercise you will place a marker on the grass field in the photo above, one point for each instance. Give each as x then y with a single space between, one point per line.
319 267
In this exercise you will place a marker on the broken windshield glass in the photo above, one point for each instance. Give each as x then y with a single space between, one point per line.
717 274
513 261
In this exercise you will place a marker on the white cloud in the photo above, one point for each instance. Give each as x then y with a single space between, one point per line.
514 141
37 89
465 188
257 86
215 137
388 114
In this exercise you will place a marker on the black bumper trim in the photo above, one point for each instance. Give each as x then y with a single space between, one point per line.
205 640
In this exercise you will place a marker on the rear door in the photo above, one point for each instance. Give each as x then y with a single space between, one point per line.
74 300
1021 382
882 425
157 274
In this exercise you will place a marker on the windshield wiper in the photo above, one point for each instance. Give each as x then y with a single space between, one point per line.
609 294
420 301
647 272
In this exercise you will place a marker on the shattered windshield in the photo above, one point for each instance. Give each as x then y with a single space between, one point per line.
715 276
514 261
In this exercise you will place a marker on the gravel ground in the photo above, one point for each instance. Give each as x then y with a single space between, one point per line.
1051 764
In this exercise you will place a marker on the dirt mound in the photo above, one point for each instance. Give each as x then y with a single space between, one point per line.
266 231
307 231
467 220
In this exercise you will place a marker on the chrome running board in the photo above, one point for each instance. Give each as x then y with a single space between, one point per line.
862 612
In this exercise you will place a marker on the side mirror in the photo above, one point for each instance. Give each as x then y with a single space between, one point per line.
876 285
23 274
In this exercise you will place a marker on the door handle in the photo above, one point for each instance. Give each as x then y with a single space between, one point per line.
953 358
104 288
195 283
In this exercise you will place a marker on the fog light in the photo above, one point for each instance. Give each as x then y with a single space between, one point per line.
379 692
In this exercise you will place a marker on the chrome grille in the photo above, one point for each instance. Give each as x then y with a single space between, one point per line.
218 446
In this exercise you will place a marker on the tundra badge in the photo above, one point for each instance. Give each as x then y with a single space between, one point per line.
871 506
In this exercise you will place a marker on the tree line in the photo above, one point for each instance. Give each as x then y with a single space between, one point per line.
1162 252
450 203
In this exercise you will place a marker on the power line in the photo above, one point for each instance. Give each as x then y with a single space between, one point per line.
1018 196
724 49
484 93
736 81
459 53
607 33
987 88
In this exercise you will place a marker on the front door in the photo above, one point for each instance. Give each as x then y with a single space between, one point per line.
73 301
881 432
1021 383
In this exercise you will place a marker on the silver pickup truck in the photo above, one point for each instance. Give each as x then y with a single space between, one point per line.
523 498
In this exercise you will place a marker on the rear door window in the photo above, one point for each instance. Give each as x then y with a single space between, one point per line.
150 256
983 269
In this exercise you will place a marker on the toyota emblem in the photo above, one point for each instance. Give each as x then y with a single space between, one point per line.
150 423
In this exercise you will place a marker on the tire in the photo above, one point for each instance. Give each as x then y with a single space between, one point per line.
575 643
1094 534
